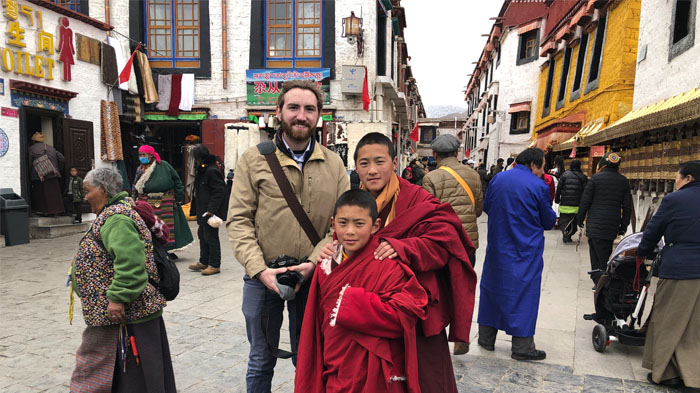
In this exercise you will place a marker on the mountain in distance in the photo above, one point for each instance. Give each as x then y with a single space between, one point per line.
439 111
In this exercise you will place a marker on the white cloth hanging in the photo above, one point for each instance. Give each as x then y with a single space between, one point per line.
187 92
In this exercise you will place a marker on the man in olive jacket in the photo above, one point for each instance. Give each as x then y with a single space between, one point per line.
447 188
262 227
607 200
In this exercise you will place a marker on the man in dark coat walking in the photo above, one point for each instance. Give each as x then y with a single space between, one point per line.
608 202
569 192
209 205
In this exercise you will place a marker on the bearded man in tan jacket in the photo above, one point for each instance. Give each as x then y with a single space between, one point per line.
460 186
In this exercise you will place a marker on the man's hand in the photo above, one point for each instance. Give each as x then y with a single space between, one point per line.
327 251
385 250
267 277
306 269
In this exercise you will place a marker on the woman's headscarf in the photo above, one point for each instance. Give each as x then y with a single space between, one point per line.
150 150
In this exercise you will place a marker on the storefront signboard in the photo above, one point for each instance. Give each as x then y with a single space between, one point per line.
10 112
597 151
39 63
263 86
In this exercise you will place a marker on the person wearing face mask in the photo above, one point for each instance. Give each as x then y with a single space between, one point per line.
672 343
158 183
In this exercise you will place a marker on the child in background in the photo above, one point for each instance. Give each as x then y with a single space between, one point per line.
75 194
359 330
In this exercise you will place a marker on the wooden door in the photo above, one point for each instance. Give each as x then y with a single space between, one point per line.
213 136
78 145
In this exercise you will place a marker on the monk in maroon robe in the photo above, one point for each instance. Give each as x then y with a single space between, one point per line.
359 333
429 238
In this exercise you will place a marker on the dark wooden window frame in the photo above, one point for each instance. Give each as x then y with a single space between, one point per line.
597 53
580 68
547 104
688 41
522 42
564 78
514 117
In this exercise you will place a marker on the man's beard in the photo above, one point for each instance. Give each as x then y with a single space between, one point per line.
297 136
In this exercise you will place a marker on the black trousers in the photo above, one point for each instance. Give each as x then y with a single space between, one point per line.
472 258
567 224
600 250
74 206
209 246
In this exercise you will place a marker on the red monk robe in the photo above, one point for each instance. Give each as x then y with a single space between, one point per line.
429 237
359 334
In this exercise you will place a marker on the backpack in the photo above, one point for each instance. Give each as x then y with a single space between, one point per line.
169 276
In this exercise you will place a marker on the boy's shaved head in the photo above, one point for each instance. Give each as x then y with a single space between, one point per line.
360 198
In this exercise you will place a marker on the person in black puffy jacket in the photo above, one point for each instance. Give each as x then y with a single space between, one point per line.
209 199
608 202
569 191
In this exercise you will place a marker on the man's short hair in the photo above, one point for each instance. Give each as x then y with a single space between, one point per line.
575 164
300 84
375 138
529 156
359 198
200 152
499 161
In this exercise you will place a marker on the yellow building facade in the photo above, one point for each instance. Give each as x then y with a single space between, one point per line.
588 82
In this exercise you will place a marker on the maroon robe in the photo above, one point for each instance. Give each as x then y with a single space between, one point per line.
359 334
429 237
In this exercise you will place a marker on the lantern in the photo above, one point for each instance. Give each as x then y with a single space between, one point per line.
352 30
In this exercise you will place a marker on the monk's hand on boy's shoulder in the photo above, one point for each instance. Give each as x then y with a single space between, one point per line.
327 251
268 277
385 250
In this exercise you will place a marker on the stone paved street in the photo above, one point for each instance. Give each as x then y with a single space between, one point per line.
208 342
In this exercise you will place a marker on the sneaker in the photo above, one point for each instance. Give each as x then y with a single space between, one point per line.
534 355
488 347
211 270
461 348
198 267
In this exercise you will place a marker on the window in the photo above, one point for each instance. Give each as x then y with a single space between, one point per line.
520 123
682 28
580 65
498 54
546 105
527 47
596 55
75 5
563 80
172 33
293 33
427 134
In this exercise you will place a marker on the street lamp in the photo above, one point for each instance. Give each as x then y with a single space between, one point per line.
352 30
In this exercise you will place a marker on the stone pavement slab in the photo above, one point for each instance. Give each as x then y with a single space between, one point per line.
208 342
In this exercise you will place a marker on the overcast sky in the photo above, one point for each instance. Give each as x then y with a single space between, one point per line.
444 38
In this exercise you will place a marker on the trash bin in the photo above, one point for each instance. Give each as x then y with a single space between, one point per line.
14 218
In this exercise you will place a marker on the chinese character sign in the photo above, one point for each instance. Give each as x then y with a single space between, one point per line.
263 86
15 56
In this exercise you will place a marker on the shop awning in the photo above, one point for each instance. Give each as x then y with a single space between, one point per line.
520 107
559 132
591 128
671 111
387 4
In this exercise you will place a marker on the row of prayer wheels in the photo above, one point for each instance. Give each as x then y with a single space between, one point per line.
659 161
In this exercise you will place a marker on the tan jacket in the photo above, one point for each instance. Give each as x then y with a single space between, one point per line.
261 226
447 189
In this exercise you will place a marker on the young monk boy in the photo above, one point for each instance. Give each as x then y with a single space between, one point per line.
359 333
427 236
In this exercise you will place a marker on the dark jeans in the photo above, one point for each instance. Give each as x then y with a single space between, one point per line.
74 206
487 335
600 250
209 246
567 224
261 363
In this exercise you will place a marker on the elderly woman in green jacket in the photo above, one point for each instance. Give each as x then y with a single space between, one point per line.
125 346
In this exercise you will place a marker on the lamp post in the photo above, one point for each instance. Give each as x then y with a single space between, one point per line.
352 30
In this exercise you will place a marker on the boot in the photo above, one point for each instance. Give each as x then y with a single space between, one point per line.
198 267
211 270
461 348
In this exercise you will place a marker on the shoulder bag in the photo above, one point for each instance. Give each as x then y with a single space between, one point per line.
43 166
461 182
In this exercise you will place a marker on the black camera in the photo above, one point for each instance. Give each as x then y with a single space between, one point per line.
288 278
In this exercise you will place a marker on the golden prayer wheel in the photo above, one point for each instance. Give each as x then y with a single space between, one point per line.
648 161
674 158
634 171
686 153
696 147
657 158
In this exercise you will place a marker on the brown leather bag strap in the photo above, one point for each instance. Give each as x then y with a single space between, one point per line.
288 192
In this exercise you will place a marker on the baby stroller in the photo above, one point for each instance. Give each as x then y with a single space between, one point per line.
620 296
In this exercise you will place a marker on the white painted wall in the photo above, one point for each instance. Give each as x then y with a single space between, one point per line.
86 81
656 77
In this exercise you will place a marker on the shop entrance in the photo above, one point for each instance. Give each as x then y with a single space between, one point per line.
72 138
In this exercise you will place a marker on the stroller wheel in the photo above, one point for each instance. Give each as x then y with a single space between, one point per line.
600 338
